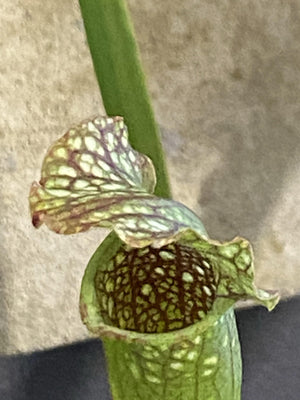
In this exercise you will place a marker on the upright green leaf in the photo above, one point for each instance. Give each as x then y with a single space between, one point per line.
121 80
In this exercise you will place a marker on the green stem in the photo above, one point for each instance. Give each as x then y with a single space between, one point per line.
121 79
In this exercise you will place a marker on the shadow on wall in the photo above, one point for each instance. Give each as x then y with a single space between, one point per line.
258 142
73 372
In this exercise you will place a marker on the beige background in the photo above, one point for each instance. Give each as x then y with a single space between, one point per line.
224 78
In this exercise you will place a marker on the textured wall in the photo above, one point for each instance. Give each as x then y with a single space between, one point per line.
224 78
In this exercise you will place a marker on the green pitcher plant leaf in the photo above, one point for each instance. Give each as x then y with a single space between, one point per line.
167 274
158 291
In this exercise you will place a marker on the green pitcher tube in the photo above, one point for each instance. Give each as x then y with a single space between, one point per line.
187 365
199 362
